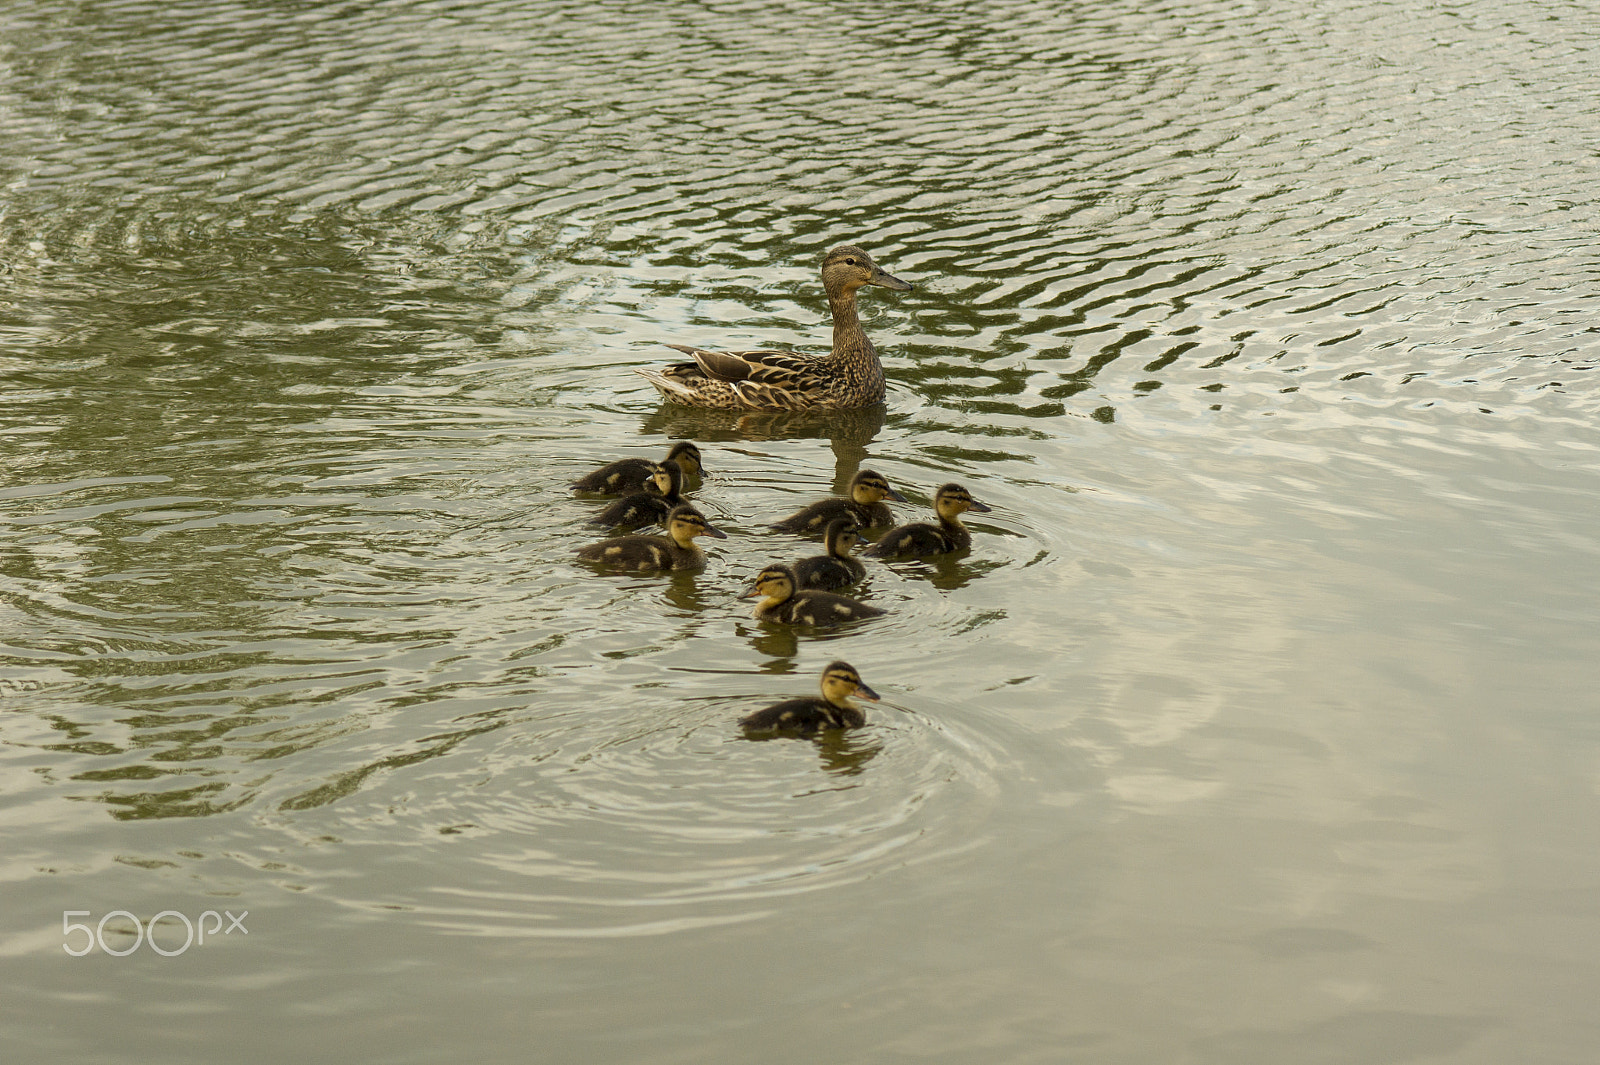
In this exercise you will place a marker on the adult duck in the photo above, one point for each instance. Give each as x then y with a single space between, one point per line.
848 377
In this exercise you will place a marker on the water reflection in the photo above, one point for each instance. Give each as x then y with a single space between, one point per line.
783 643
839 752
947 573
689 596
848 432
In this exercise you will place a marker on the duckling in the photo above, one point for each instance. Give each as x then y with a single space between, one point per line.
784 604
848 377
676 550
864 503
633 475
836 569
923 538
647 508
840 681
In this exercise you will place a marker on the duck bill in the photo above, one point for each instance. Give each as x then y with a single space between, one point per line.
754 593
885 280
718 534
978 508
896 496
864 692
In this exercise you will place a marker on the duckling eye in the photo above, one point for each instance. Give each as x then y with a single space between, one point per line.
850 259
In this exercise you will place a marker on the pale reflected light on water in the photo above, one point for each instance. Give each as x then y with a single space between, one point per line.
1259 725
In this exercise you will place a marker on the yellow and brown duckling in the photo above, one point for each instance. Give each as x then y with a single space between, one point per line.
783 602
647 508
863 503
676 550
840 682
836 569
923 538
634 475
849 376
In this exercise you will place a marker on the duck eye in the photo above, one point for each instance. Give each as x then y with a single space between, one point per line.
851 261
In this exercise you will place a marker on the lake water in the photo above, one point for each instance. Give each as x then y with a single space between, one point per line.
1259 726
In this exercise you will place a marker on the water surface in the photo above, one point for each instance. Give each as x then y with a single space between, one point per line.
1258 726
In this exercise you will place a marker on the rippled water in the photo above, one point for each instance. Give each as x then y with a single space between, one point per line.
1259 725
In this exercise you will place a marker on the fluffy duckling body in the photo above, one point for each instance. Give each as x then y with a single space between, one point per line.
676 550
863 502
783 603
847 377
922 539
840 682
647 508
836 569
635 475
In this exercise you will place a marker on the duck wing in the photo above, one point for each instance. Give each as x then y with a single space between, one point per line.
745 380
760 367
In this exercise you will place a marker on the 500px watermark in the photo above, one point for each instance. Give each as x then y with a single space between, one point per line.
195 932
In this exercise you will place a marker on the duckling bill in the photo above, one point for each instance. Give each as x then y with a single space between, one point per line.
782 602
840 682
848 377
675 551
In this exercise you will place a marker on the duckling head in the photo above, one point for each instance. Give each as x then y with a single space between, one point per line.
687 456
840 681
668 477
775 584
685 523
952 499
869 486
846 268
841 535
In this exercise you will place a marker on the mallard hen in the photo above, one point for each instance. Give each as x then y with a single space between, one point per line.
847 377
